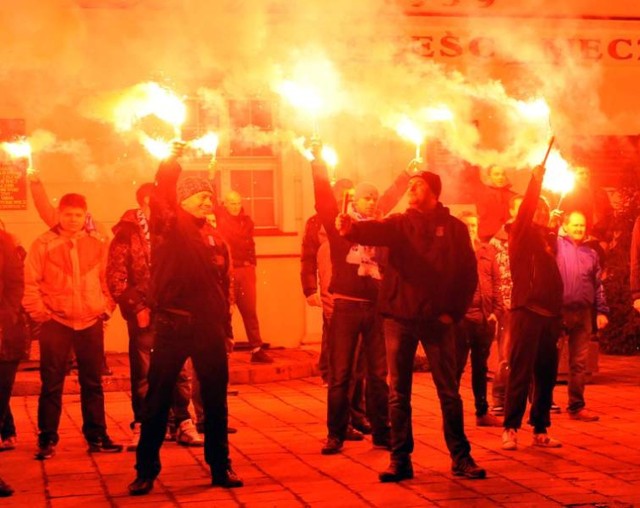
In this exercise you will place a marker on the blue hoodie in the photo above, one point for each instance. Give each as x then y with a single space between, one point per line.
581 274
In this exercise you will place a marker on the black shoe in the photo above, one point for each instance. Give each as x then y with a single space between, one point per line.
140 486
353 434
362 425
332 446
468 468
227 479
104 445
45 451
396 472
383 442
5 489
261 356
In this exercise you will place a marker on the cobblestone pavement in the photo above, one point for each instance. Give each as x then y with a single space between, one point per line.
277 453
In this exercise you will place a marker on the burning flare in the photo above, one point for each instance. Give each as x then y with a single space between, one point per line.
20 150
559 177
408 130
328 154
207 144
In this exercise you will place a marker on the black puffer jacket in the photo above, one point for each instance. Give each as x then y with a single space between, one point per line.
432 267
13 333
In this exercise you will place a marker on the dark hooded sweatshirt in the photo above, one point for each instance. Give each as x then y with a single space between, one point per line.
537 284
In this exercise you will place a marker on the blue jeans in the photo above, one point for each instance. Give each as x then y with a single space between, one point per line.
503 338
140 346
350 321
438 342
578 326
56 341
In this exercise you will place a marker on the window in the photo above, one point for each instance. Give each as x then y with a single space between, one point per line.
246 159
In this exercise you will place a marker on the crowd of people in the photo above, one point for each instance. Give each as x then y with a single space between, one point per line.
514 271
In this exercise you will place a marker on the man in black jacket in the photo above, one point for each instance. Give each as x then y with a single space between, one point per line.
475 332
428 285
189 301
536 308
128 273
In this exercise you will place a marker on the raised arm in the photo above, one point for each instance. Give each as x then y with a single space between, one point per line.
392 196
47 212
527 210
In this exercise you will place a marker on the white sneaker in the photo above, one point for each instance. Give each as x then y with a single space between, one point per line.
187 434
544 441
135 439
510 439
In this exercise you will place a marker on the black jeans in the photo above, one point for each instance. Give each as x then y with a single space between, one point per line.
177 338
534 352
438 342
140 346
7 378
56 341
350 321
477 338
244 287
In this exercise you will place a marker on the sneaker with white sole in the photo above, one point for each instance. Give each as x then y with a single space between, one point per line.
545 441
510 439
187 434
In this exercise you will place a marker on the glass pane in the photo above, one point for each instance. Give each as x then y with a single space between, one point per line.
261 115
239 148
241 182
240 113
263 213
263 184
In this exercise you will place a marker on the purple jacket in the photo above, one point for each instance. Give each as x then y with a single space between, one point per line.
581 275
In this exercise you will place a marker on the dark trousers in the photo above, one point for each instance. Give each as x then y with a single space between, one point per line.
7 378
358 408
177 338
578 326
140 346
350 321
323 361
503 337
439 345
244 286
475 338
534 352
56 340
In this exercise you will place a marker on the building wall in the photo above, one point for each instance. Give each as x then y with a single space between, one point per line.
604 40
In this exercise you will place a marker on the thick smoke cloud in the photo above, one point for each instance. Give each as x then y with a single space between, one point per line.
65 62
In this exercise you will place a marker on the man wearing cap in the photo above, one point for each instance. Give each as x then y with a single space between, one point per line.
429 283
189 301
